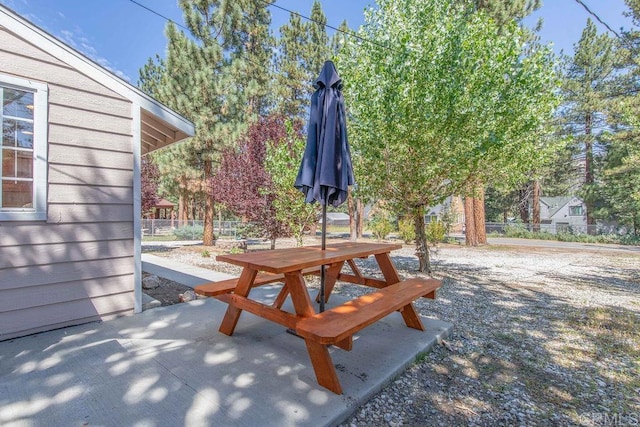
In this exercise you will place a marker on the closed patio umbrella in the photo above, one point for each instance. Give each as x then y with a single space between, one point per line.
326 171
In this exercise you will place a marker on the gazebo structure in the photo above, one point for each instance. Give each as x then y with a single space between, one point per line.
163 209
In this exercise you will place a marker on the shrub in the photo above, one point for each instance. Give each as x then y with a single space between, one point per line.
189 232
406 230
205 253
380 226
436 232
248 230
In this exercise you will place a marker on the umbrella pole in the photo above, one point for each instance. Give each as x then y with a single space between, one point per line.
324 246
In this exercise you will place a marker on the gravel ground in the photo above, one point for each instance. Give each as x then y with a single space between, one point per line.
542 336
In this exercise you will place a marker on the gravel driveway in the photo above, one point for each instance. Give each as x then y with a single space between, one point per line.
542 336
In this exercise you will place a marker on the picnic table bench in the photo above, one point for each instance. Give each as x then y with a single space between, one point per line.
335 326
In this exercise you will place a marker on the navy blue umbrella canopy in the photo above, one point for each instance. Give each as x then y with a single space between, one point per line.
326 171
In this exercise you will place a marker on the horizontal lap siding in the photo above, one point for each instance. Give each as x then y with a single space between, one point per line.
78 265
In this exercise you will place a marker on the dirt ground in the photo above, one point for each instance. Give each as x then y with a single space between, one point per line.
168 293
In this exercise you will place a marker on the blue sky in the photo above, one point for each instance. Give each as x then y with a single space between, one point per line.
121 35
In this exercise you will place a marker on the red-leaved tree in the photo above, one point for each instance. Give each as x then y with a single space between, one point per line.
149 186
241 180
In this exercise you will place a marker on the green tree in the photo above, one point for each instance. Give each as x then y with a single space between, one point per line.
291 85
304 47
228 46
588 76
282 163
505 11
620 176
447 101
318 49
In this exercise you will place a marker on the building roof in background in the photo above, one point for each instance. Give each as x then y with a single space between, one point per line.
159 127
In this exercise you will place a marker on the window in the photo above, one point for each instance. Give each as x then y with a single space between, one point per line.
23 170
576 210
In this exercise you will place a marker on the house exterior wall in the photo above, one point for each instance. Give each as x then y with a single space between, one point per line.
564 216
78 265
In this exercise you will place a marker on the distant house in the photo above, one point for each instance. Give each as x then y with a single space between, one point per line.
73 135
561 214
452 206
336 218
163 209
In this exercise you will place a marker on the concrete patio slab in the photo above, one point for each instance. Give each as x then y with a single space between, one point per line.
170 366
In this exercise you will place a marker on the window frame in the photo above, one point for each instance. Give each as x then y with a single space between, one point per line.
572 207
40 92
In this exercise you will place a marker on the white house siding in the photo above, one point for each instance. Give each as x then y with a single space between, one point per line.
563 217
77 266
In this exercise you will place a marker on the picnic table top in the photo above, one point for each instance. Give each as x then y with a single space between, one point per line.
294 259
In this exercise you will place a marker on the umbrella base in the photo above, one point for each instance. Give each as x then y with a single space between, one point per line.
293 332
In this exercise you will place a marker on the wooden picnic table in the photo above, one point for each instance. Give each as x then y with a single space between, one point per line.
334 326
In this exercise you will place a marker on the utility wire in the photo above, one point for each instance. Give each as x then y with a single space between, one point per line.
600 20
159 14
275 72
348 33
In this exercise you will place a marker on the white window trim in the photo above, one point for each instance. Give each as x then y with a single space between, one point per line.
40 140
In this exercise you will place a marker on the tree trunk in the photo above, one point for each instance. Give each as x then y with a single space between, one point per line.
524 205
181 213
588 173
536 206
422 246
208 236
479 217
353 217
470 236
360 222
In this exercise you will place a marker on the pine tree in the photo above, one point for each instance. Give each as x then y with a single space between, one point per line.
317 50
620 177
503 12
217 76
291 79
588 76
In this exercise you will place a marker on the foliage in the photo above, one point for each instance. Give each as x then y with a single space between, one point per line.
588 76
505 11
406 230
440 99
247 230
304 47
189 232
195 78
436 232
380 225
282 163
150 176
205 253
242 183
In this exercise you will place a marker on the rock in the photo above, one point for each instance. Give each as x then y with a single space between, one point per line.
150 282
187 296
232 244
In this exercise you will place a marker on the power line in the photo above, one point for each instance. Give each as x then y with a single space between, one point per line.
348 33
275 72
159 14
600 20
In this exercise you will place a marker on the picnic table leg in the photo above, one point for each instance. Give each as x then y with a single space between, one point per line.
391 276
323 366
282 297
389 271
232 315
411 318
318 353
330 277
